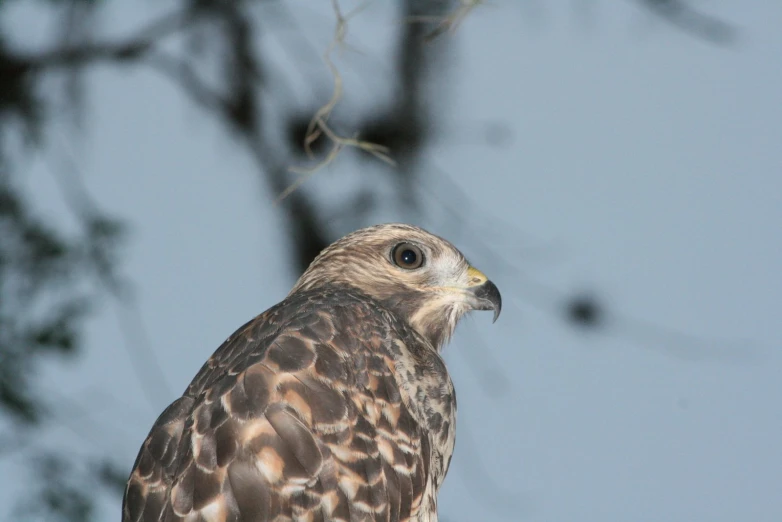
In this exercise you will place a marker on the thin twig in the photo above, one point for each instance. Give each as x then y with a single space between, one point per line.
319 126
449 23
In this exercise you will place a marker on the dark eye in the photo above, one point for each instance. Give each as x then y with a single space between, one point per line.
407 256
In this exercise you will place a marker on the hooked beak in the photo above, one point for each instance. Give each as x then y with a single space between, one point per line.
486 294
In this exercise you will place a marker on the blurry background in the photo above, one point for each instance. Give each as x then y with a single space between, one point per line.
614 166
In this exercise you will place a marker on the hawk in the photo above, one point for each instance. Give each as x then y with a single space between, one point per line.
333 405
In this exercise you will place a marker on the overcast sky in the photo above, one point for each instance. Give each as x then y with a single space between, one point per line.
640 163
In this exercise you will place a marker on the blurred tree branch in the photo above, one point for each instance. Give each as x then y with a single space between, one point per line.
44 272
682 15
12 64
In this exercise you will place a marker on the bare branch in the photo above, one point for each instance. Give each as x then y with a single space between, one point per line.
69 56
318 126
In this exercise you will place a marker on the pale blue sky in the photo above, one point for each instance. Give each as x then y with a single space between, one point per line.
646 165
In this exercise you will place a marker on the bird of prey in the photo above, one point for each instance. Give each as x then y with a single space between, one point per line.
333 405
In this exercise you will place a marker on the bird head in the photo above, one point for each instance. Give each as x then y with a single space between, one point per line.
420 277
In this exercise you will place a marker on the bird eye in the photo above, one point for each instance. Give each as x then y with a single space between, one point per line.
407 256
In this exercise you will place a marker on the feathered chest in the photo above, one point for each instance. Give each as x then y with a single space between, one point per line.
428 393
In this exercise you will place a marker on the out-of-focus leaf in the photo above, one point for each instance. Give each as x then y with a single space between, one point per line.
585 311
19 99
59 333
15 394
64 494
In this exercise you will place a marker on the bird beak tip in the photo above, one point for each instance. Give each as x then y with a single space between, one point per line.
488 298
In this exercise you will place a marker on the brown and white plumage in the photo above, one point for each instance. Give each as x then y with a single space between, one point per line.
332 405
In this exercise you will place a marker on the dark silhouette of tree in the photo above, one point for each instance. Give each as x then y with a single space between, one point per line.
49 279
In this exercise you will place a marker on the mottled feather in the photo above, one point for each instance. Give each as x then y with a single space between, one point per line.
297 416
333 405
